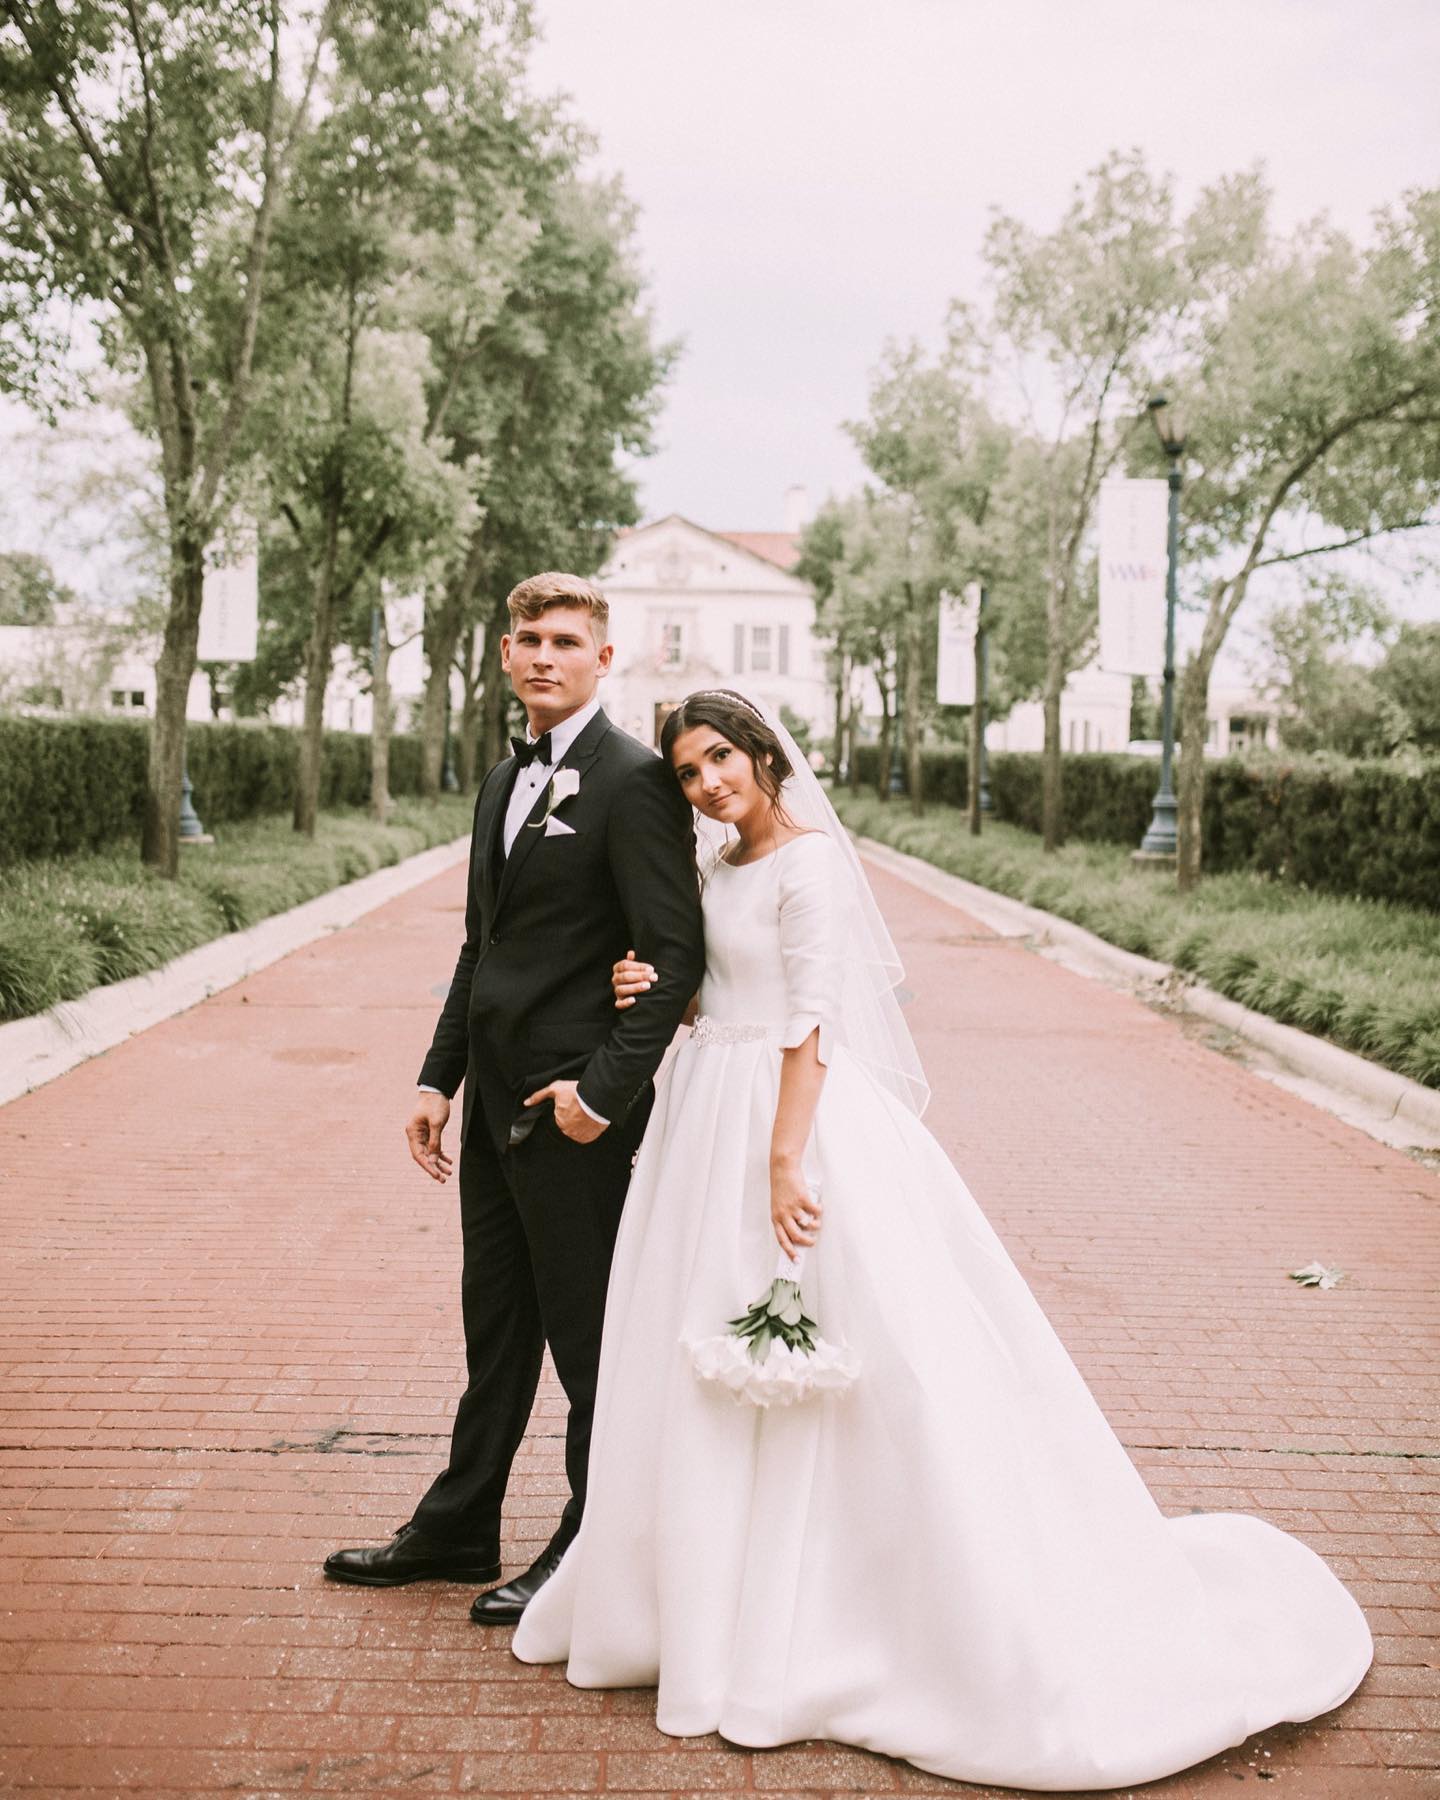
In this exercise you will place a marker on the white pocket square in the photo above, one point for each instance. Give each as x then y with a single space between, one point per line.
558 828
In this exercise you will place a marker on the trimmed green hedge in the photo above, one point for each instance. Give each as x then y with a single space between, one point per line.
1366 829
68 785
73 785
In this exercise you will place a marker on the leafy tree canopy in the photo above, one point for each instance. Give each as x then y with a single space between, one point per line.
29 591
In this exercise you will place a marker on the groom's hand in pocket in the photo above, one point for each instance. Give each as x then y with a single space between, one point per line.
570 1115
422 1134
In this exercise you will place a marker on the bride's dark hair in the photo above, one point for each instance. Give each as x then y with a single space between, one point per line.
739 724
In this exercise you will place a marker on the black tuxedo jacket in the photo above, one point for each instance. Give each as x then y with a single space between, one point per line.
530 1001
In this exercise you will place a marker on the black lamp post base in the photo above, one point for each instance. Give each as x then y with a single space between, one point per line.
191 830
1160 860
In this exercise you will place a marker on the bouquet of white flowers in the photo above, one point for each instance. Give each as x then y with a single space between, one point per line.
771 1355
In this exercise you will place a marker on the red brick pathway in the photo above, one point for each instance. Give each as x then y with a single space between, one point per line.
229 1341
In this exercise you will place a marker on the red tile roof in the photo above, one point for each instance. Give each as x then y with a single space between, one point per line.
782 548
779 547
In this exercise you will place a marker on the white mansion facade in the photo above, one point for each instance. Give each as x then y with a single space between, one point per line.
693 608
690 608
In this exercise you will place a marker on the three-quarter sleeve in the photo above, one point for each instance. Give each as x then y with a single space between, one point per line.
813 885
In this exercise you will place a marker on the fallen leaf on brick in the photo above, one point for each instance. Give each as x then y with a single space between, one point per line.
1315 1274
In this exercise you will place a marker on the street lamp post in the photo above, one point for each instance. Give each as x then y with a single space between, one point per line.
191 830
1161 842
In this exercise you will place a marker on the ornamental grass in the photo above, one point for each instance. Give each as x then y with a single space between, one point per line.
71 924
1363 973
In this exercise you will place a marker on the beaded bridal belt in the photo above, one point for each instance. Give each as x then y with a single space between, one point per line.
706 1030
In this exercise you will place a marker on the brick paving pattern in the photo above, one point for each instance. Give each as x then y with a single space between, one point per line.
230 1341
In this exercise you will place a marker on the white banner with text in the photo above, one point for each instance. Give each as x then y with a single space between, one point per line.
955 652
1133 549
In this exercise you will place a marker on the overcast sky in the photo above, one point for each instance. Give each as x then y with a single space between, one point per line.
817 175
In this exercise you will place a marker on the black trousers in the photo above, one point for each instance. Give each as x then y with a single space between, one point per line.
539 1223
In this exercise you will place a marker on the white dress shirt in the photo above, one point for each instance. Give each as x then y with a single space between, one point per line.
531 781
529 784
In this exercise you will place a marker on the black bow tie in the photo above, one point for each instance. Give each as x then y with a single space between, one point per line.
526 752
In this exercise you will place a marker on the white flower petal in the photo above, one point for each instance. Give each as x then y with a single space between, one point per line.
784 1377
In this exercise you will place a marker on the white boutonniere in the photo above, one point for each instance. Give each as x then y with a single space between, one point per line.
564 785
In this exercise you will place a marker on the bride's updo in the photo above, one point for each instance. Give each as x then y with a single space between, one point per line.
737 721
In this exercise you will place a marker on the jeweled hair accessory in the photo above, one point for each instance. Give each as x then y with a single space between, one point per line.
729 694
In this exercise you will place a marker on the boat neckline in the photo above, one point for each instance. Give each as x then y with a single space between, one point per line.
723 862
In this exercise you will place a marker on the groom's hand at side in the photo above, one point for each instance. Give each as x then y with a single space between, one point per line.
570 1115
422 1134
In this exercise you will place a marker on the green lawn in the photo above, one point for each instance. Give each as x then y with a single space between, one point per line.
71 925
1360 972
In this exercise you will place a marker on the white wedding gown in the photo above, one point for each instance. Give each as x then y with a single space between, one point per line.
954 1562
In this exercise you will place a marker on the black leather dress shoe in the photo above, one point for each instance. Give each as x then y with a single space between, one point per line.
504 1605
411 1556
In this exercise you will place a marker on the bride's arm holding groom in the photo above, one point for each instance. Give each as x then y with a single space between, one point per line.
650 844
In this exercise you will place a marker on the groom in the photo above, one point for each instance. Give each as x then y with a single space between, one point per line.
582 849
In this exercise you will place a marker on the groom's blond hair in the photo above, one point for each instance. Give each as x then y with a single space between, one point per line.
537 593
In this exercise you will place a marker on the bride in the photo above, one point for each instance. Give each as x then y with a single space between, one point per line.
953 1560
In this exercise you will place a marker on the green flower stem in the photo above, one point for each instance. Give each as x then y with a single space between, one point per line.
776 1315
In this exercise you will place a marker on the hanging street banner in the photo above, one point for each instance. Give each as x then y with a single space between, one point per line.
230 611
1133 550
955 652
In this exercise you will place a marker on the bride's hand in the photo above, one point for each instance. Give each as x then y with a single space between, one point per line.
794 1210
629 979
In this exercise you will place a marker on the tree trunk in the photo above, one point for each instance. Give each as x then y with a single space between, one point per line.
972 768
975 761
442 637
312 730
381 723
319 651
466 750
160 828
1052 799
1226 598
910 711
494 690
1190 783
852 734
842 684
887 735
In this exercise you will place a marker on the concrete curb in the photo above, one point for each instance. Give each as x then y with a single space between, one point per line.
34 1051
1391 1107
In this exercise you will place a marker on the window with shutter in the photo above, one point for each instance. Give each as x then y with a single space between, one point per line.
739 649
783 657
760 648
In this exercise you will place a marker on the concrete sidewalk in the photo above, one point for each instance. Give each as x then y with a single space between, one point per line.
230 1341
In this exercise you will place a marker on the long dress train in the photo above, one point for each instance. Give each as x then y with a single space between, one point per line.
955 1562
